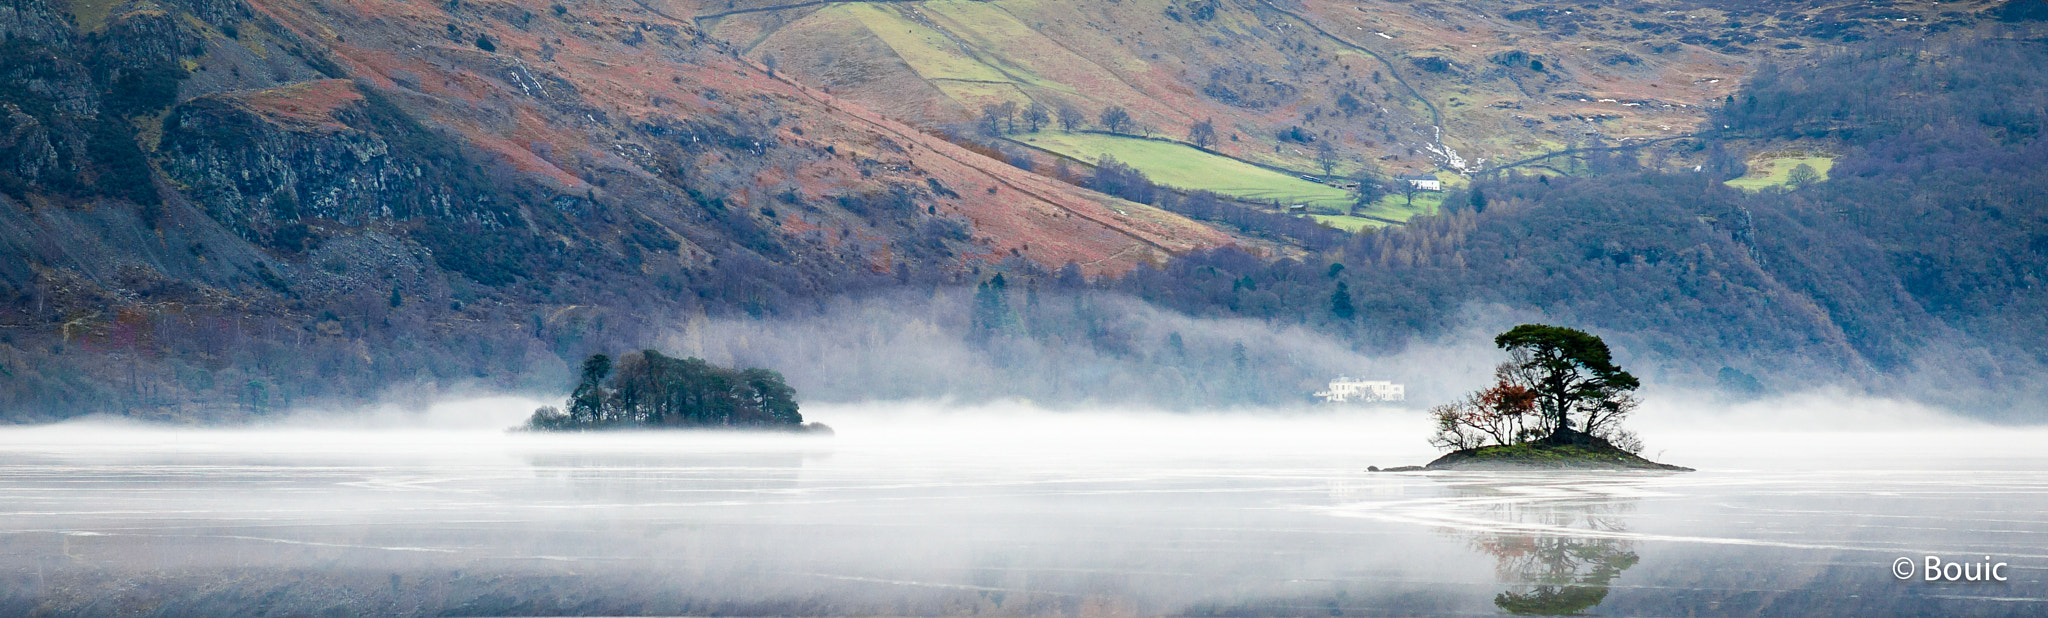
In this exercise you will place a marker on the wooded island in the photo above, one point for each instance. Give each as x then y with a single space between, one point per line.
1557 402
649 390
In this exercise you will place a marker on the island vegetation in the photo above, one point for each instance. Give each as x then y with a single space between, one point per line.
1557 402
650 390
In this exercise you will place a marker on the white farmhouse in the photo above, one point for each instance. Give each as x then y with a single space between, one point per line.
1347 390
1424 182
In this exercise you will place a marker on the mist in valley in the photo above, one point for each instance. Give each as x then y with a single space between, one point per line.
1068 453
935 507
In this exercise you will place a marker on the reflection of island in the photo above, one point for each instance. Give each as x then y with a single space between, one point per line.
1550 569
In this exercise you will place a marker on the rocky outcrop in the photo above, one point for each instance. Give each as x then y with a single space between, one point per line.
256 160
360 178
26 151
34 20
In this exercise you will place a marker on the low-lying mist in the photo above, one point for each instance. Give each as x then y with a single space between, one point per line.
927 507
1078 349
1073 349
1826 427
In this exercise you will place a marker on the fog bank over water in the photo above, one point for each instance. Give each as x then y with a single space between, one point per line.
932 508
1086 350
1676 425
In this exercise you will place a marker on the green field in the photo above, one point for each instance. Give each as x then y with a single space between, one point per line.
1765 173
1183 167
1346 223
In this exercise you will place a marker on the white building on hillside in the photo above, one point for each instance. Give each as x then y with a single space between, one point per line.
1425 182
1347 390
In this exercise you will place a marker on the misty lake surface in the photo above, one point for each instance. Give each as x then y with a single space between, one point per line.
1006 511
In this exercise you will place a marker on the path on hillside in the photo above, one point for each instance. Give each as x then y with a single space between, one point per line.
1724 133
699 20
1436 117
1573 151
965 47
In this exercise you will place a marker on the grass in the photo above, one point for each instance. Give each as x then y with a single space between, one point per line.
1346 222
90 15
1529 451
1548 456
1776 171
1396 206
928 52
968 78
978 53
1184 167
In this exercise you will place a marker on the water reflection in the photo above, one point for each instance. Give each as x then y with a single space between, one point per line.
1557 543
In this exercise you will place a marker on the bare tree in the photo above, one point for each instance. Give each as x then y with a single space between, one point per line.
1008 111
1036 115
1071 118
1497 415
1115 119
1203 134
1326 156
992 119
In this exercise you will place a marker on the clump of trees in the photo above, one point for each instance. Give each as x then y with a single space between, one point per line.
648 389
1115 119
1559 386
1203 134
1113 177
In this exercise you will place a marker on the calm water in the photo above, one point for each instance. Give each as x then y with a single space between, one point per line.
1005 511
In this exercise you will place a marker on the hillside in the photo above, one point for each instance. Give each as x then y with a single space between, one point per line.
223 208
1406 86
203 191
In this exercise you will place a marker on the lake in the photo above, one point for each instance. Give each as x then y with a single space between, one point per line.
924 509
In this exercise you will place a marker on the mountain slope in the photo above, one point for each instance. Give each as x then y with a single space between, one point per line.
244 190
1407 86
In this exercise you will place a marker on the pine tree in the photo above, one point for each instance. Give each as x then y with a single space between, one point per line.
1340 303
991 307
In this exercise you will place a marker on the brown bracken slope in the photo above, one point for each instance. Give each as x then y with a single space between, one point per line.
200 196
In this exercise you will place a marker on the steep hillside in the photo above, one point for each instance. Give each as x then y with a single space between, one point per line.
1407 86
238 190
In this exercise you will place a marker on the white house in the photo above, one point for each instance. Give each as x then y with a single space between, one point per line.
1424 182
1347 390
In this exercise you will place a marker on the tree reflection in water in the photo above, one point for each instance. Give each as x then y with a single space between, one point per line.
1556 542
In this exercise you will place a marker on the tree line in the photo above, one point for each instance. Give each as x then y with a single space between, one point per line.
647 389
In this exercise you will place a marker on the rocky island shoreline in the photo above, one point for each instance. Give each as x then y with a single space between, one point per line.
1572 451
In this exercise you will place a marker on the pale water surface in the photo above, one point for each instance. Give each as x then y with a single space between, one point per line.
921 509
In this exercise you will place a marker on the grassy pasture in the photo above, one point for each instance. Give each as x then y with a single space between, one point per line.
927 51
970 78
1347 223
1396 206
1775 171
1183 167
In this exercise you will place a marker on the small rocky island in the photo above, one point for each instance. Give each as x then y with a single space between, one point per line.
647 390
1556 404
